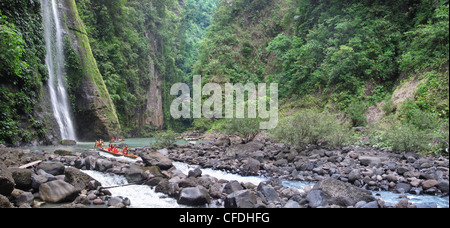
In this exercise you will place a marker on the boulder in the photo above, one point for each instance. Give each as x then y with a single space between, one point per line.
134 174
402 187
6 181
242 151
103 164
37 180
25 198
269 193
354 175
54 168
252 167
58 191
370 161
156 159
195 173
317 198
343 194
241 199
443 186
22 178
232 186
90 162
78 179
194 196
429 184
68 142
4 202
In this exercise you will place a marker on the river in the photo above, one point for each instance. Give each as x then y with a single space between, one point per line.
142 196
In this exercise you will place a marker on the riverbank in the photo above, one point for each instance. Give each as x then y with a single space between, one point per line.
339 178
363 167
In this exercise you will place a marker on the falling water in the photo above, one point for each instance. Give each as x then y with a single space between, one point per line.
55 64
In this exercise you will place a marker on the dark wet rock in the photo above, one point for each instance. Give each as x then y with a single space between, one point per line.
194 196
232 186
54 168
22 178
317 198
6 181
251 168
269 193
79 179
156 159
195 173
370 161
4 202
343 194
241 199
58 191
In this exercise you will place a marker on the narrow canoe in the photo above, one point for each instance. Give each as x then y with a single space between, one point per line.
119 154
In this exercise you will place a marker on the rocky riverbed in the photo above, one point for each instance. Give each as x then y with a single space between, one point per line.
340 178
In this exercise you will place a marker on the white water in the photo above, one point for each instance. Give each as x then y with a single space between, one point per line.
141 196
55 65
184 168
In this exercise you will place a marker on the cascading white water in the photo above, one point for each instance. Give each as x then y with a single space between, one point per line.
55 64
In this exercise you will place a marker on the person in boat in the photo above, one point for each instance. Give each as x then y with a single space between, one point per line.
110 148
97 144
115 150
125 151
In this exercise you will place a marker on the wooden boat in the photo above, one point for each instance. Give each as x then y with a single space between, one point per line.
118 154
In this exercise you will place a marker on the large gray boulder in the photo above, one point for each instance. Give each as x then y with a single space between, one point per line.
269 193
22 178
232 186
54 168
317 198
194 196
156 159
58 191
341 193
252 167
6 181
370 161
78 179
241 199
243 151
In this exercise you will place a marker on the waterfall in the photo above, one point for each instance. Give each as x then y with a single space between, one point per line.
55 63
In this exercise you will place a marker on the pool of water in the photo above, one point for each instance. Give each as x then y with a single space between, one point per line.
81 146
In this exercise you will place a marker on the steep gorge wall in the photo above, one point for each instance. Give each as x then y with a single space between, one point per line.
94 112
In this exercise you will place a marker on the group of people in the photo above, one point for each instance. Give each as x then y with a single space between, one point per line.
112 148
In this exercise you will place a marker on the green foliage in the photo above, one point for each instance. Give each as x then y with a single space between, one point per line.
310 127
356 111
246 128
137 43
428 43
418 131
389 107
11 48
22 72
165 139
203 124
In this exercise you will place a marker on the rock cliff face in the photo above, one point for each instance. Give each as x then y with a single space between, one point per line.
95 114
153 113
